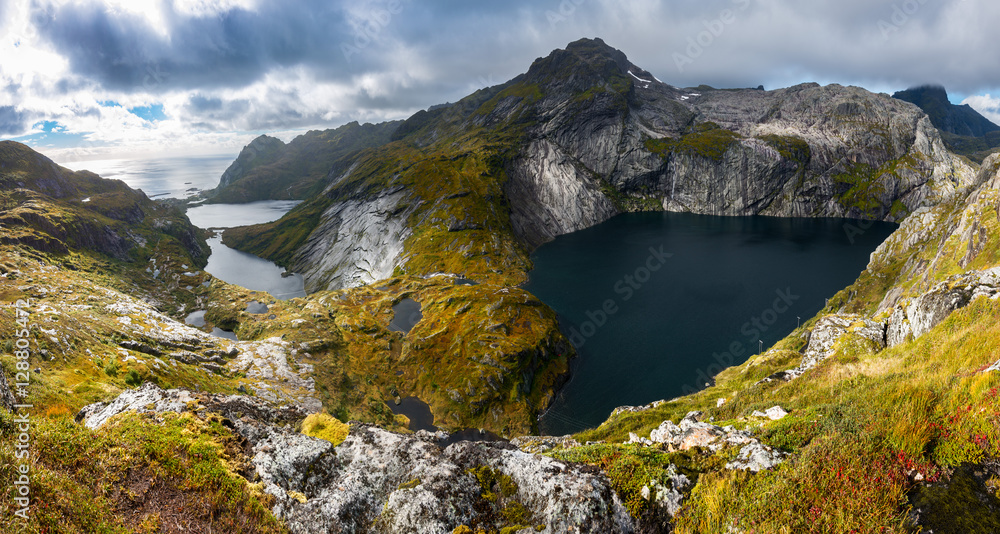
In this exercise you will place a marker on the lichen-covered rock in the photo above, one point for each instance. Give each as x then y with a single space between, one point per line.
147 399
380 481
668 493
773 413
824 338
910 320
756 456
403 484
691 433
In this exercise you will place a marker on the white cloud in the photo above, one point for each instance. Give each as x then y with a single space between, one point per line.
235 68
987 105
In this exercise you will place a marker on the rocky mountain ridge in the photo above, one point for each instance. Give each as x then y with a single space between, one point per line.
584 135
947 117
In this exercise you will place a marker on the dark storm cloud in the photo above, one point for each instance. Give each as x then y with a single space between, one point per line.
121 51
12 121
387 58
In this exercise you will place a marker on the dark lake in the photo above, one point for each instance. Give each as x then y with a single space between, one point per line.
653 301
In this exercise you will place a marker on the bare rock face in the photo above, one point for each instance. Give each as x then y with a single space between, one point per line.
380 481
912 320
842 136
357 242
556 194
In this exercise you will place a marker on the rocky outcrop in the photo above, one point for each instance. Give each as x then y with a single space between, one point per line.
691 433
274 369
403 484
908 320
379 481
915 318
827 334
356 243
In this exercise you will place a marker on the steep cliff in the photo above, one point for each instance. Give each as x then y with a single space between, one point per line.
268 169
584 135
947 117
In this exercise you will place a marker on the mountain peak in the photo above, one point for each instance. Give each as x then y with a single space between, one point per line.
947 117
583 64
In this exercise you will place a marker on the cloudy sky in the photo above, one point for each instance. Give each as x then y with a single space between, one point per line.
88 78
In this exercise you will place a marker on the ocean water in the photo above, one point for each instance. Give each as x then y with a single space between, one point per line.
657 303
178 177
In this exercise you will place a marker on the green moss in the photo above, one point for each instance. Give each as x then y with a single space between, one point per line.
706 140
963 504
90 481
323 426
498 494
410 484
790 147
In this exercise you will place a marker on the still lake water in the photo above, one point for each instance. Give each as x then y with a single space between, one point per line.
240 268
177 177
649 299
182 177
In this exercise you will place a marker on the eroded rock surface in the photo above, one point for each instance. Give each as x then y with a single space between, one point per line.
914 319
380 481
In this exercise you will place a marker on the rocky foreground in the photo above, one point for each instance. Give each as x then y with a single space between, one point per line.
382 481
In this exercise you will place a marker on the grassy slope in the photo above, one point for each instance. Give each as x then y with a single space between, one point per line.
135 474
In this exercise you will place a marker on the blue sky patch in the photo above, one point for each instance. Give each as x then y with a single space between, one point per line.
150 113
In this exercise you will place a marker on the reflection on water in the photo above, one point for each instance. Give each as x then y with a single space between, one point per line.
249 271
405 315
225 334
417 411
240 268
230 215
196 319
178 177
